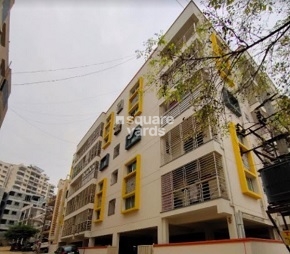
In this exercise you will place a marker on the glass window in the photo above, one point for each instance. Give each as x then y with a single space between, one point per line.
114 177
116 151
130 202
104 162
133 137
111 208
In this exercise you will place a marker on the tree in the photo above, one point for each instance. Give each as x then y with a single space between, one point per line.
220 59
18 232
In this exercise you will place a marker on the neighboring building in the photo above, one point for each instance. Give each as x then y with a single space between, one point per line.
4 173
58 215
5 71
24 190
190 184
39 216
33 215
28 179
12 204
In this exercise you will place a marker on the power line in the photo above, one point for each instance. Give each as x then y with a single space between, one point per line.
73 77
59 123
47 133
179 4
72 101
57 115
73 67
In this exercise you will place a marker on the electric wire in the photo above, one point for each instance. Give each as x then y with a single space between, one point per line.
47 133
56 123
55 115
72 101
73 67
73 77
179 4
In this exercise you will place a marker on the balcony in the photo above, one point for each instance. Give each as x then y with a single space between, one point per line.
184 138
178 108
195 182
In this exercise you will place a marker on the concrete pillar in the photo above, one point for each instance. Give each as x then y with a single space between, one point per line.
91 242
240 225
115 240
232 227
163 232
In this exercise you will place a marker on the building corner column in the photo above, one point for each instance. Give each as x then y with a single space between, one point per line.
163 232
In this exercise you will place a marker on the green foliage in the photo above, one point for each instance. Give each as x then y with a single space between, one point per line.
242 28
20 232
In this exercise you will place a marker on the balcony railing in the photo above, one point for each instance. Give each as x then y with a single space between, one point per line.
79 223
196 182
180 107
184 138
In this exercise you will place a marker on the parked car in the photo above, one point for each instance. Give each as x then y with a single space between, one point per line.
16 247
44 247
27 247
67 249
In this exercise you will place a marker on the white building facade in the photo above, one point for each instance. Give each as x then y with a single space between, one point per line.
22 186
191 184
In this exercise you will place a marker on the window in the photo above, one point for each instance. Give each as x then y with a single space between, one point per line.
120 106
131 167
245 164
104 162
133 137
11 222
250 184
14 213
100 200
116 151
114 177
245 160
131 185
117 128
231 102
107 136
6 211
111 208
16 203
130 202
3 35
135 99
2 68
8 202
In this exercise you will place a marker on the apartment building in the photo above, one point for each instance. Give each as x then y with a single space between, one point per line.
22 187
33 215
58 214
5 72
11 204
132 186
29 179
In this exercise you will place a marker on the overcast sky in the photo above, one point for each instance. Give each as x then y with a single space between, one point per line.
45 121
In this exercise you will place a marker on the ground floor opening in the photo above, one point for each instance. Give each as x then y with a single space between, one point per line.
129 241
